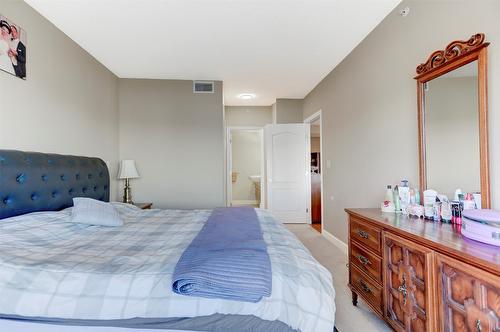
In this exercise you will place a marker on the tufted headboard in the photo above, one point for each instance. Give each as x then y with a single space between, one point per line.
32 181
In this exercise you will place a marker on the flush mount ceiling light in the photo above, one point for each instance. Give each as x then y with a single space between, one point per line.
246 96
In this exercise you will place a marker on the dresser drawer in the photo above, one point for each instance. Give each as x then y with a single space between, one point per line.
365 234
370 291
366 261
469 298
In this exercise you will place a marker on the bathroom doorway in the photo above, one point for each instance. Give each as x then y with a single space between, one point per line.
316 170
245 166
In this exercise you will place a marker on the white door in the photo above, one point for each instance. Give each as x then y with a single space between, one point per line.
287 155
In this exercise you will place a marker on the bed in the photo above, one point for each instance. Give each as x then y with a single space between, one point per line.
76 276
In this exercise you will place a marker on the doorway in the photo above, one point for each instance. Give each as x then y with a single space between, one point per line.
316 170
245 166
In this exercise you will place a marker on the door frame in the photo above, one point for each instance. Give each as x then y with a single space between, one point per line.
314 117
229 162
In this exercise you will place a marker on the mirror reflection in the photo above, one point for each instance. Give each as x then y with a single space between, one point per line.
452 131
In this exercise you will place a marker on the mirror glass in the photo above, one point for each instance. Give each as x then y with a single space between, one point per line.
452 131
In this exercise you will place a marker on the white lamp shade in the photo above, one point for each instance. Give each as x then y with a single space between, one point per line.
127 170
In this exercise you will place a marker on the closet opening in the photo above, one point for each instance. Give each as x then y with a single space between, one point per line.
315 122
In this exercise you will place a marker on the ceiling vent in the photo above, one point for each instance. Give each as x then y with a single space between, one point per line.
203 87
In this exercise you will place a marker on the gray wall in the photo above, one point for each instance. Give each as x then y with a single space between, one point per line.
176 138
68 104
248 116
369 103
289 110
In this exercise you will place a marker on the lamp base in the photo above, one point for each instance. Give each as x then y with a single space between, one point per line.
127 196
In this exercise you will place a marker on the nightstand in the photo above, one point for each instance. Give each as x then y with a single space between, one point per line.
144 206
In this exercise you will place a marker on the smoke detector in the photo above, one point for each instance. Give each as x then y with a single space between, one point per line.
404 12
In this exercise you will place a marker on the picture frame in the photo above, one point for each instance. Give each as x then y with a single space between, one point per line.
13 43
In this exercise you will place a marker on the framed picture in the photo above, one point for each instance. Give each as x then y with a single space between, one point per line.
12 48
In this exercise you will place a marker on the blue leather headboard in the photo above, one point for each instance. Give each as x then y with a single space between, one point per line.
31 181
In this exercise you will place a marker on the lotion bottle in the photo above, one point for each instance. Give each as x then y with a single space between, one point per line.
397 201
389 195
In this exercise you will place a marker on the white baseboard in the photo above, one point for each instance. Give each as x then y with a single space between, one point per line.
243 202
333 239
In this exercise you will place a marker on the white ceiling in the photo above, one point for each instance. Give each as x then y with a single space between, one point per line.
271 48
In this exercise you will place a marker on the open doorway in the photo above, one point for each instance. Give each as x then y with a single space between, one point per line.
316 171
245 166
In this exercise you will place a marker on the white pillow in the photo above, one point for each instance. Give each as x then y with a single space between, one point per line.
93 212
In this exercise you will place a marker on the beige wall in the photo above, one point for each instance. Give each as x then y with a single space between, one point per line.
249 116
315 144
68 104
452 135
289 110
176 138
368 103
246 158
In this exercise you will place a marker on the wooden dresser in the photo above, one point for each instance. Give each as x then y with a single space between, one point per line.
423 276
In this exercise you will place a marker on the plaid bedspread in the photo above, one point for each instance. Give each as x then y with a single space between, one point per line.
52 268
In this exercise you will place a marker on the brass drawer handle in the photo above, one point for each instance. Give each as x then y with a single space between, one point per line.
363 234
363 260
364 286
478 326
403 290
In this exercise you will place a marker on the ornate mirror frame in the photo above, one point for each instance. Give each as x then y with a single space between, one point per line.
457 54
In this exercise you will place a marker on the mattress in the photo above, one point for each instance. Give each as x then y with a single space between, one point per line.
56 270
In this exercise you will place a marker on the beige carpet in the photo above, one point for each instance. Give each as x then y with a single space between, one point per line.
348 317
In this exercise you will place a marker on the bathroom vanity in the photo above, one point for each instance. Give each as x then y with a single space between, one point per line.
422 276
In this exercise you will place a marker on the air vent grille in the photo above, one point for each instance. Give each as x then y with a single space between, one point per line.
203 87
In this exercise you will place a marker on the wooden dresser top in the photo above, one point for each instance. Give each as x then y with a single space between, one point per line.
439 236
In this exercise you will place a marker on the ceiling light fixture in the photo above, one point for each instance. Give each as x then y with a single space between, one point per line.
246 96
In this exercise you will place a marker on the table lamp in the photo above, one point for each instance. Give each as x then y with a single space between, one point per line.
127 171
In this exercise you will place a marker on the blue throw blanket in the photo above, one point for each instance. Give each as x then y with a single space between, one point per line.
228 259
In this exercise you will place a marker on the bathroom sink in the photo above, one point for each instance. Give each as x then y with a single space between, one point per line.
255 178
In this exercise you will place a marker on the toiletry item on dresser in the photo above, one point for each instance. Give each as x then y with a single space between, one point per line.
416 210
468 202
445 209
397 200
437 210
482 225
388 204
458 192
412 196
456 212
429 200
477 199
404 196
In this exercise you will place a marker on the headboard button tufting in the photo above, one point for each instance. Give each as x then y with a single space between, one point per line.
21 178
32 181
